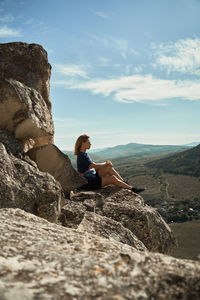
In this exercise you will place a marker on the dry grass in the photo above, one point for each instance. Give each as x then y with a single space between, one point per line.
183 187
168 186
188 238
152 184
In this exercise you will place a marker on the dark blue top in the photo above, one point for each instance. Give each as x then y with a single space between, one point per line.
83 162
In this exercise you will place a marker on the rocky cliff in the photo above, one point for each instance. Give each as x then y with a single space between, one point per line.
25 107
58 242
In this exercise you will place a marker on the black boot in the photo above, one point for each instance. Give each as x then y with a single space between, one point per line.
137 191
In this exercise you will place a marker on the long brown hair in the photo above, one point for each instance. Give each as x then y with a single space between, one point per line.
81 139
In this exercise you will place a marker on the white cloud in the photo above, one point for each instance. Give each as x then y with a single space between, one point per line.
147 35
138 88
104 41
104 60
182 56
7 18
64 120
29 21
101 14
139 69
134 52
128 69
71 70
5 32
121 45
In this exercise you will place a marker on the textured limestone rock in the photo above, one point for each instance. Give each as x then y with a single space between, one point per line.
25 107
23 186
72 213
28 64
105 227
11 144
50 159
24 111
40 260
130 211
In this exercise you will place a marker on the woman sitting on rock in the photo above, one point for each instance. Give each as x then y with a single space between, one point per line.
97 174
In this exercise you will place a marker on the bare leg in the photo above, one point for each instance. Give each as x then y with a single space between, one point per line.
106 180
108 170
114 172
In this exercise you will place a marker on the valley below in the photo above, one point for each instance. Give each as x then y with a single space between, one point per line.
175 196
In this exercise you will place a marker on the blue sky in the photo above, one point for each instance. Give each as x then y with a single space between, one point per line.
122 70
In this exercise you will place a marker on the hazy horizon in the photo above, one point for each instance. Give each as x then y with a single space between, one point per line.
95 148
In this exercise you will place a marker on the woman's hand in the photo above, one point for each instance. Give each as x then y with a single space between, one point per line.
108 163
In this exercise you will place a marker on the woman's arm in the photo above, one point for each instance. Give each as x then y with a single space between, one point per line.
97 165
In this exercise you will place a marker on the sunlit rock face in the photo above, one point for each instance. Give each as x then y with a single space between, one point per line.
23 186
25 107
28 64
50 159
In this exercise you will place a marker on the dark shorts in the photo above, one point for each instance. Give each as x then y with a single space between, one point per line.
94 182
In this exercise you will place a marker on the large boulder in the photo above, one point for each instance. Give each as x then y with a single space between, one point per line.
41 260
126 208
24 112
23 186
108 228
50 159
25 107
28 64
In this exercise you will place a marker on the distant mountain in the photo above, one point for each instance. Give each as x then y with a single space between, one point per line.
186 163
192 144
134 149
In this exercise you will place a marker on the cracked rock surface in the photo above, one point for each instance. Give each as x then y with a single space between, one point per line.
124 208
41 260
23 186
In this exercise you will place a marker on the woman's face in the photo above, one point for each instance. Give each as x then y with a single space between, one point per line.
86 144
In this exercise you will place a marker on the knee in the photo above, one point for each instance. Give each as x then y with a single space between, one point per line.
108 168
105 169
